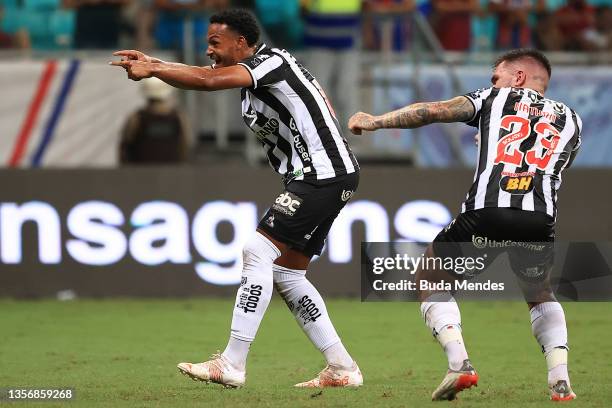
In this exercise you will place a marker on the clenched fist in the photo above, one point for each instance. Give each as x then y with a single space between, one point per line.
362 121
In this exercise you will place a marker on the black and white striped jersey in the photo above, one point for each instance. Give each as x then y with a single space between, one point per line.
526 141
293 119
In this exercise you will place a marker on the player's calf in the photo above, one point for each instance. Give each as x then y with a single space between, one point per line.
549 329
308 307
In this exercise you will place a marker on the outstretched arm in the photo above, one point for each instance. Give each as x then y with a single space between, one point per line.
139 66
458 109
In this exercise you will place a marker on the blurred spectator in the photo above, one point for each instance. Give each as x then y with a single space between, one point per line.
387 25
282 21
157 133
452 22
139 16
574 20
332 29
20 38
171 16
550 6
484 28
98 23
599 38
513 22
546 35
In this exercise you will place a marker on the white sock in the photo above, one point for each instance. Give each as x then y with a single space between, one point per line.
307 305
444 320
549 328
252 298
236 352
336 354
556 361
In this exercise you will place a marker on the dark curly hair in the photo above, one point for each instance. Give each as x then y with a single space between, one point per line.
240 21
521 53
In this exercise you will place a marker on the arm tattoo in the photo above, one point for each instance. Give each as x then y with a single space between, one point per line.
458 109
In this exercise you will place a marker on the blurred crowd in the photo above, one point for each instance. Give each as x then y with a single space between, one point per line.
460 25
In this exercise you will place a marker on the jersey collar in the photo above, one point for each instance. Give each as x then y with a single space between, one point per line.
531 89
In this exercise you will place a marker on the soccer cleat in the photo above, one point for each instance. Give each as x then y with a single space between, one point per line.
335 376
455 382
217 370
561 391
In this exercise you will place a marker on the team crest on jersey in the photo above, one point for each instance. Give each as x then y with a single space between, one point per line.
516 184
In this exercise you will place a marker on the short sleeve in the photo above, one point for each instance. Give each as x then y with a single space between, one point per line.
477 99
579 138
265 69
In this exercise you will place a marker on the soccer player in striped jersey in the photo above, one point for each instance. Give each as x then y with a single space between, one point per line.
294 122
526 141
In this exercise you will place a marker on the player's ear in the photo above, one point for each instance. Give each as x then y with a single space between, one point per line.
242 42
519 78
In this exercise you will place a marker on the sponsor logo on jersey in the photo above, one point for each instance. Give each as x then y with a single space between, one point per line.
346 195
533 272
300 148
484 242
516 185
287 203
295 174
258 59
479 242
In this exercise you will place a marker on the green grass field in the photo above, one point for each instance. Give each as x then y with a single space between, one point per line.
124 353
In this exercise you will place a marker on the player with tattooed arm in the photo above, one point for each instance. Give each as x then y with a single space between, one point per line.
526 141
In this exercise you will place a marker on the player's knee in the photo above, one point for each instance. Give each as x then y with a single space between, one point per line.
287 281
259 250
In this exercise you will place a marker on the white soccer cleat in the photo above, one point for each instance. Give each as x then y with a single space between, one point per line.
456 381
217 370
335 376
561 391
